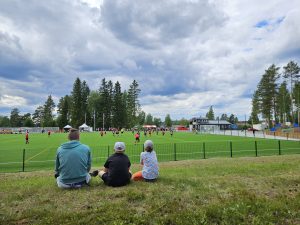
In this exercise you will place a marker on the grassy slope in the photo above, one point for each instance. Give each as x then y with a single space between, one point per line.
263 190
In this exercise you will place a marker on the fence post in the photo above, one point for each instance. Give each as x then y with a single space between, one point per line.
23 167
231 149
256 148
279 148
174 147
203 150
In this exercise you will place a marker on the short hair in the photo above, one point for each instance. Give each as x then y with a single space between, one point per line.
73 134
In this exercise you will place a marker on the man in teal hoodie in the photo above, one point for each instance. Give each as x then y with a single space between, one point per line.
73 163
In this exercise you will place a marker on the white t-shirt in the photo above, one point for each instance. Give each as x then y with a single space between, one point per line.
150 168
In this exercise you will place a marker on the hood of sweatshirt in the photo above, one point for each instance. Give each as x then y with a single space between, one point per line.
70 144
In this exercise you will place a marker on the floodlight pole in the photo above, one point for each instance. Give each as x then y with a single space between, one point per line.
103 121
94 120
245 125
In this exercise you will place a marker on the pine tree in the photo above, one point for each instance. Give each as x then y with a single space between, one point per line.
26 120
64 111
49 106
231 119
76 106
15 119
296 96
283 103
149 119
267 91
4 121
224 117
168 121
133 106
37 116
157 121
85 92
124 104
255 108
118 110
291 73
106 93
141 118
210 114
95 106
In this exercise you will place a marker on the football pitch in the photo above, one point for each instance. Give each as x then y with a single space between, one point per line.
40 153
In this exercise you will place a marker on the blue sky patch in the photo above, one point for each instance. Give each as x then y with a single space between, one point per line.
262 23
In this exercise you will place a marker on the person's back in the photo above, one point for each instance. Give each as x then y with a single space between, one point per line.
150 168
149 162
117 167
73 162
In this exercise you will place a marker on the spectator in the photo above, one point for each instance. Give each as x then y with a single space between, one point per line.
149 162
116 170
73 162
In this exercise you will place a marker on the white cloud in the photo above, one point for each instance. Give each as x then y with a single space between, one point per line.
186 55
130 64
12 101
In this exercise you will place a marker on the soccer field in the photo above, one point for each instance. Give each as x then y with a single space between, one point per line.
41 150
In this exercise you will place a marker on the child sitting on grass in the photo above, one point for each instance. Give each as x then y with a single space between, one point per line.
116 170
149 162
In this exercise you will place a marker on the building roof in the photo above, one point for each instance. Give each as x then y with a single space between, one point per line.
210 122
221 122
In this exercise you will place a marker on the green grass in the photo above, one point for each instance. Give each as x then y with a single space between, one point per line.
249 190
40 153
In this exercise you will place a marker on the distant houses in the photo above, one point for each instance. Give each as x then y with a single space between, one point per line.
203 124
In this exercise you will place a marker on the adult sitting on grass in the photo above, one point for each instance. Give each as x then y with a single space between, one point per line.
150 165
116 170
73 162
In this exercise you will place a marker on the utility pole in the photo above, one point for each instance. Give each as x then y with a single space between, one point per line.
245 125
94 120
103 120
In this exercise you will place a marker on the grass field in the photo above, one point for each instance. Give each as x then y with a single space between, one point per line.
248 190
40 152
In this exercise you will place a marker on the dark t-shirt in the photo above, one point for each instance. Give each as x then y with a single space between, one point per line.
118 166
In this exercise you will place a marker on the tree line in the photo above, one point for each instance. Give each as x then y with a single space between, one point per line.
277 96
106 107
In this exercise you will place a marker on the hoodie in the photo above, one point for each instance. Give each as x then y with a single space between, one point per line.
73 162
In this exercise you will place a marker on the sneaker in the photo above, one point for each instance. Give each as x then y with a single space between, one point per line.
94 173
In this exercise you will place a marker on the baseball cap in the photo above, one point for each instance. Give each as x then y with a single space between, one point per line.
119 146
148 143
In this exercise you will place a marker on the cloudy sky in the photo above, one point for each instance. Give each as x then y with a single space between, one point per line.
185 54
